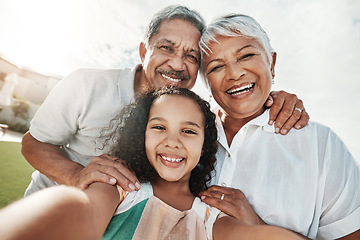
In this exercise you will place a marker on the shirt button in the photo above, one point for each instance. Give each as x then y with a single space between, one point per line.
229 155
223 184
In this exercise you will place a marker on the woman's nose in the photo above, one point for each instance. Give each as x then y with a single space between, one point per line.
235 72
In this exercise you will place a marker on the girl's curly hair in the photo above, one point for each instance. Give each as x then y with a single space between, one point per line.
129 138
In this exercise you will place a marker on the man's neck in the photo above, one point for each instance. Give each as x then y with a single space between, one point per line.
141 84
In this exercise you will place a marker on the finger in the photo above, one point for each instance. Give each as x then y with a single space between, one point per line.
293 119
216 191
278 102
304 119
269 101
126 176
94 176
108 174
286 112
225 205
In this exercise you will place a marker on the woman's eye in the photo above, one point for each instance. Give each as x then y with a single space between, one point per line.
214 69
246 56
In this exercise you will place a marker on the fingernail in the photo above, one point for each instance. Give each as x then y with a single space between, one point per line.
112 180
297 126
283 131
271 122
137 185
132 186
203 197
277 130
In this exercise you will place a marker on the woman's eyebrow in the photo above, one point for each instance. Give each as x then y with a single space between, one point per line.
237 51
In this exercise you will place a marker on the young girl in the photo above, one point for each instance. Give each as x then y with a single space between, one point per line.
168 138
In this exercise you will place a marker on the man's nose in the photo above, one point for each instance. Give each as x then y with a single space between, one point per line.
177 63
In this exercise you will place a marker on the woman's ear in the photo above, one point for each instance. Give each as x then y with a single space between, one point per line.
272 68
142 51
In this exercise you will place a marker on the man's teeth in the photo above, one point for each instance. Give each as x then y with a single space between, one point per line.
172 159
242 89
171 79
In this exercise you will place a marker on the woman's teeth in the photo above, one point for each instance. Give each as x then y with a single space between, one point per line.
171 79
240 90
172 159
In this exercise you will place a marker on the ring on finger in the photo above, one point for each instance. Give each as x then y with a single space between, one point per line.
298 109
222 196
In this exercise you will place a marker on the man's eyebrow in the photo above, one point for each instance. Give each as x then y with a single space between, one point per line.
237 51
169 42
165 41
195 51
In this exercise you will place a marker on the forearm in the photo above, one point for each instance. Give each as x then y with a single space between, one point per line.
230 228
50 160
60 213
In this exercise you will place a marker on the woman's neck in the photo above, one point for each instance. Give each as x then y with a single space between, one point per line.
176 194
232 125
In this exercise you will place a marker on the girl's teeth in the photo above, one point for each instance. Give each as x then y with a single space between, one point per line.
172 159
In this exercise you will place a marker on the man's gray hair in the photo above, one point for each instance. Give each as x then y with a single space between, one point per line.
233 25
173 12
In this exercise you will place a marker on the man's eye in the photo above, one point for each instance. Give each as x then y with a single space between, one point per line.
165 48
192 58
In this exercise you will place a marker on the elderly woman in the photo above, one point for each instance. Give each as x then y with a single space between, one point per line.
306 181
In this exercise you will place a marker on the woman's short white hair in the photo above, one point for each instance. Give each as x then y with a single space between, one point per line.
233 25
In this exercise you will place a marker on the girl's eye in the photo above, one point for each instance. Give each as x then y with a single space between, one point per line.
188 131
158 128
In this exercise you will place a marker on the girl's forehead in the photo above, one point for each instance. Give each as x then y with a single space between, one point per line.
173 104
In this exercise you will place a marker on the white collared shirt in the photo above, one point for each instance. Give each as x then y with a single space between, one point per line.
305 181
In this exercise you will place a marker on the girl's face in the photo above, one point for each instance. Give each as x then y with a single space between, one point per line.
174 136
239 75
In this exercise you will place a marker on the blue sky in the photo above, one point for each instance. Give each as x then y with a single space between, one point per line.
318 44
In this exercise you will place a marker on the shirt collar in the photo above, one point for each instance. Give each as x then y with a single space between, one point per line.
260 121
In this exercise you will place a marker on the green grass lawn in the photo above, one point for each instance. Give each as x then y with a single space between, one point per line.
15 173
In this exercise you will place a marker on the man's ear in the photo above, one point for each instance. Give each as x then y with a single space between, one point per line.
142 51
272 68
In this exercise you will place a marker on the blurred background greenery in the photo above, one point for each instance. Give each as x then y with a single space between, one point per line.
15 173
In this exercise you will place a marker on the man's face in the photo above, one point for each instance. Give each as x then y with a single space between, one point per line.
173 55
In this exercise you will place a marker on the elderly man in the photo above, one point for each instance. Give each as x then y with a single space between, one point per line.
64 134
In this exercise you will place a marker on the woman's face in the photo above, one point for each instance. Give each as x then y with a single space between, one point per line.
174 137
239 75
